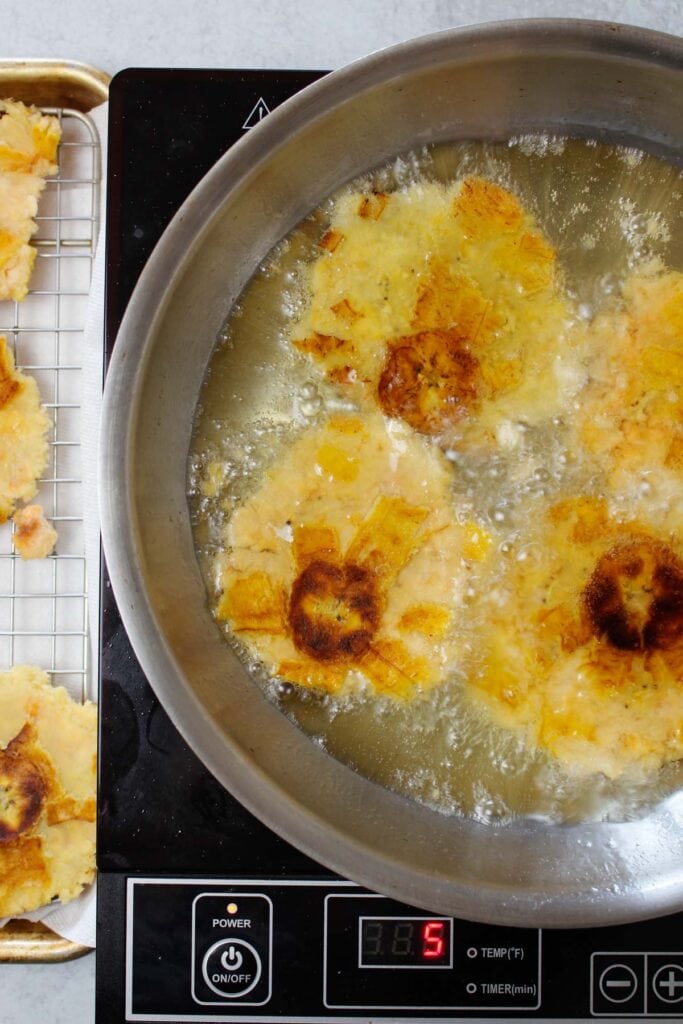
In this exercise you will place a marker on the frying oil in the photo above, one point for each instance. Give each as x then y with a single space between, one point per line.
608 211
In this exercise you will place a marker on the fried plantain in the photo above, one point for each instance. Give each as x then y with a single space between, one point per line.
347 561
28 153
583 642
444 305
48 769
23 429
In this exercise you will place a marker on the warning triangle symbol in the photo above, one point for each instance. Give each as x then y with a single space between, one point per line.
257 114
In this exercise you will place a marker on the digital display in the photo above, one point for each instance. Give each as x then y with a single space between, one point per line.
405 942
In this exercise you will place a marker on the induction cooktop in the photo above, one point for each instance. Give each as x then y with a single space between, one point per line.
203 913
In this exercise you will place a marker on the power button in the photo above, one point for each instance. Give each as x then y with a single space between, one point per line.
231 968
232 943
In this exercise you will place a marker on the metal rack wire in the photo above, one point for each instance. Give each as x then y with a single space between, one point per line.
44 603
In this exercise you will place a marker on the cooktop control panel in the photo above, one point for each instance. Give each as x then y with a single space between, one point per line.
326 950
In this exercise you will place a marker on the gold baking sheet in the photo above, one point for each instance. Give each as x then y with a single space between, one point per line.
48 83
60 85
22 942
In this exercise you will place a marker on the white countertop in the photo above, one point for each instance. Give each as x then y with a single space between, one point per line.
256 34
274 33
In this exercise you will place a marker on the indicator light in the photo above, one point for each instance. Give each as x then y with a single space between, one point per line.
232 908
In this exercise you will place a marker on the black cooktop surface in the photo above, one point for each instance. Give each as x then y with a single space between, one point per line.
205 914
160 809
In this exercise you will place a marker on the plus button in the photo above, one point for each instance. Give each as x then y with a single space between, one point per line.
668 983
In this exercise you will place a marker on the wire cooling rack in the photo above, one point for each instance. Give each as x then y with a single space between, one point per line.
44 603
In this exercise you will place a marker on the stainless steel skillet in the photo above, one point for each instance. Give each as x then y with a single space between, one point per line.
604 81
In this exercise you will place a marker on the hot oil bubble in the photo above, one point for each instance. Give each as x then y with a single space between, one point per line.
311 408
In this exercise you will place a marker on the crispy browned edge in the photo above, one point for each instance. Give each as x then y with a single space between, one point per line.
74 86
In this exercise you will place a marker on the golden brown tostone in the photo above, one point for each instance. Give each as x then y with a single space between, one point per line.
634 598
10 382
23 788
47 792
429 380
334 610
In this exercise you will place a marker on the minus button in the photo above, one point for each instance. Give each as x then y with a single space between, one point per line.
618 983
